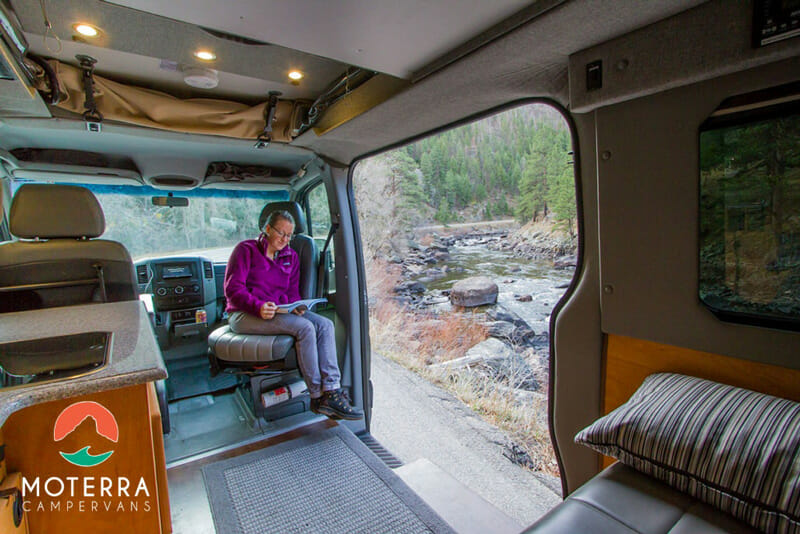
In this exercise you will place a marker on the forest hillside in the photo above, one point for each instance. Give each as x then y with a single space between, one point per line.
513 164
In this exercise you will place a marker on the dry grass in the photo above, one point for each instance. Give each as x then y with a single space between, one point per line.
521 419
416 340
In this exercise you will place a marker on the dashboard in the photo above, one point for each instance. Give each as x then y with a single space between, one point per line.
180 287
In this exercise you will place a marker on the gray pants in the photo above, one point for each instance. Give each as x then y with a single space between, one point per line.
315 344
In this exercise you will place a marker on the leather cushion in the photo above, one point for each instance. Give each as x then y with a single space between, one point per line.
52 211
622 500
228 346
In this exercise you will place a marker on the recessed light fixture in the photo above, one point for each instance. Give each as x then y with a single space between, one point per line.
87 30
205 55
296 75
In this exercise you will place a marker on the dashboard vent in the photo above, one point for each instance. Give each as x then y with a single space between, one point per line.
208 269
141 274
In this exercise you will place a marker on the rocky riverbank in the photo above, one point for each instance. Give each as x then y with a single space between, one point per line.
474 309
541 240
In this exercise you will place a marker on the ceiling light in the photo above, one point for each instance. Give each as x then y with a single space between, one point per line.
205 55
295 75
200 77
87 30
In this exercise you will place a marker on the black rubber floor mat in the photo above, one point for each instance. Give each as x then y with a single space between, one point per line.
191 377
380 451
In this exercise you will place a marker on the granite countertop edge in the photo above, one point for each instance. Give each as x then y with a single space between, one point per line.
14 400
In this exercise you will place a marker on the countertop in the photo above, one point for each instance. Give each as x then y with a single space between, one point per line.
135 356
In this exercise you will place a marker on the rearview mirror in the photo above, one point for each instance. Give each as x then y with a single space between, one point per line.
172 202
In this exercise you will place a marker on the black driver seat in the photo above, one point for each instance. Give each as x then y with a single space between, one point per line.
276 353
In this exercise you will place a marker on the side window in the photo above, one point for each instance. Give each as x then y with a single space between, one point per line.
319 223
318 213
750 216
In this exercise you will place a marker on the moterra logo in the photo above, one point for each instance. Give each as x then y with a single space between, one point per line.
72 416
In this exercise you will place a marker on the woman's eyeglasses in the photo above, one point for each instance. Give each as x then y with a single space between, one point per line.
282 235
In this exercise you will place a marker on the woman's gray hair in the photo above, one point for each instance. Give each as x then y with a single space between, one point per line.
273 217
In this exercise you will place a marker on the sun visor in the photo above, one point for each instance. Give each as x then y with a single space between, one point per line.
154 109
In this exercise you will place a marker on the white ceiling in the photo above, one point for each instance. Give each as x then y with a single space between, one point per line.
396 37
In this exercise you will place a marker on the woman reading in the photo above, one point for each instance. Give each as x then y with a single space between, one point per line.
264 273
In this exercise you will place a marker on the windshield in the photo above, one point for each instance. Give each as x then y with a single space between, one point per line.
212 224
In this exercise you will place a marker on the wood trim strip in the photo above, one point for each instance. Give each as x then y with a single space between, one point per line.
628 361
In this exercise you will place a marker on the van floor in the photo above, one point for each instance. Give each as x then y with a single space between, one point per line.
217 421
189 372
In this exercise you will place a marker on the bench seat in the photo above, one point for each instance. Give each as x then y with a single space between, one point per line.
623 500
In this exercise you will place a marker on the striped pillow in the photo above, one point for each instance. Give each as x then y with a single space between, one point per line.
732 448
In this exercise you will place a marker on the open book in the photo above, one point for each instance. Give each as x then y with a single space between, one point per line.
305 304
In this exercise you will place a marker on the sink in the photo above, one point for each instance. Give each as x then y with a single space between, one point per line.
53 358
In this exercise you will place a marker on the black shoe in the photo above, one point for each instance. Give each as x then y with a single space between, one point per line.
336 404
315 408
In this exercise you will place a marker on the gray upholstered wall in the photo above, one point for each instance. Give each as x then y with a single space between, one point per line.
648 208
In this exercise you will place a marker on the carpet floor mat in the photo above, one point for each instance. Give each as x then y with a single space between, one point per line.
324 482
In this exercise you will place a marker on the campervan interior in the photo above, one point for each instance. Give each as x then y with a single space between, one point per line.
174 127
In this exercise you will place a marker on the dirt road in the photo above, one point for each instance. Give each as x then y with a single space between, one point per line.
415 419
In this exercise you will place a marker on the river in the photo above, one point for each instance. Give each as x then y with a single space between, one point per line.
514 277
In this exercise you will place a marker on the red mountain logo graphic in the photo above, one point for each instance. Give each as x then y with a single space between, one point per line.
72 416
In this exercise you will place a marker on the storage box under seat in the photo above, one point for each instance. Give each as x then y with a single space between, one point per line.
292 398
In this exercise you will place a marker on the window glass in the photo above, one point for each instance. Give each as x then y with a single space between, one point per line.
750 217
319 214
214 221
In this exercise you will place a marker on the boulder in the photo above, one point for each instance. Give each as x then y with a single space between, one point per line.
516 335
409 287
488 352
523 298
565 262
432 300
499 313
474 291
502 329
403 301
520 332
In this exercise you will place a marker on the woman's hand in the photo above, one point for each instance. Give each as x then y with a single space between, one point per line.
267 310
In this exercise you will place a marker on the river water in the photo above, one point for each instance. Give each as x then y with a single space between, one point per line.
514 277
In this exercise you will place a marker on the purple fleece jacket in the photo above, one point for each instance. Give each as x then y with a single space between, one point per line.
251 279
